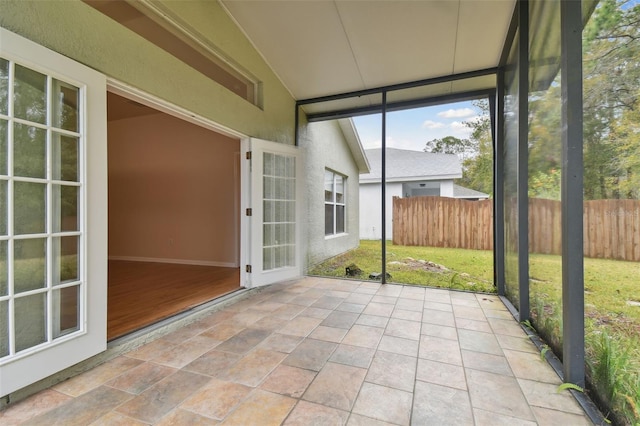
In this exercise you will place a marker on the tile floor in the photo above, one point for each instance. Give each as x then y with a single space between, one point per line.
323 352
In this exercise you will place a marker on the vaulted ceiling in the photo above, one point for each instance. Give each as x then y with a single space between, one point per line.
320 48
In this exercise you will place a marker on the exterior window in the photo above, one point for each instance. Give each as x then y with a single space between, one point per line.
334 203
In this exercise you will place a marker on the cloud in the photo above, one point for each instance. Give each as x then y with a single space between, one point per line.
457 125
432 125
457 113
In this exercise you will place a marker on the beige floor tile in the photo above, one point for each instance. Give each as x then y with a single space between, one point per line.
488 418
116 419
431 316
340 319
329 334
150 350
498 314
497 393
328 302
530 366
441 373
33 406
353 355
467 312
97 376
224 330
244 341
300 326
269 323
186 352
383 403
407 315
439 349
216 399
359 420
316 312
390 300
179 417
336 386
403 328
141 377
281 343
310 354
438 306
378 309
82 410
364 336
439 331
546 395
486 362
214 363
389 290
372 320
251 369
508 327
520 343
467 324
261 408
154 403
417 293
288 312
398 345
310 414
416 305
392 370
478 341
288 381
547 417
440 405
351 307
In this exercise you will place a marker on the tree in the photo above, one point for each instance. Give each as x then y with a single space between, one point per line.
478 168
451 145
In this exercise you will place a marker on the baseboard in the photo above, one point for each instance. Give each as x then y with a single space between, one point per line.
176 261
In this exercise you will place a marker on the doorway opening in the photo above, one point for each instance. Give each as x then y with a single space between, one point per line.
174 215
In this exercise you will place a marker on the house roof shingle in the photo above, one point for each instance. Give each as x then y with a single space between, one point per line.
404 165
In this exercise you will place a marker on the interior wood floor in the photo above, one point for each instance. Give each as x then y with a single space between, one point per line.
142 293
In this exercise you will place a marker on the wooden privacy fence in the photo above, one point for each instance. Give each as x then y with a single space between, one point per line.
611 227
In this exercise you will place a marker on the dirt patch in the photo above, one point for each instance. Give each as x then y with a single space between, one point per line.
419 265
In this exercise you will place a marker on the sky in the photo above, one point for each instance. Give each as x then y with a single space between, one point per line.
411 129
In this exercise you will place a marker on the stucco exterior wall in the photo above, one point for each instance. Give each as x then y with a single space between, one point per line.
371 217
80 32
324 147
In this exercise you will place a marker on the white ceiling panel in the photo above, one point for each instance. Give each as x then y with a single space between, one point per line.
327 47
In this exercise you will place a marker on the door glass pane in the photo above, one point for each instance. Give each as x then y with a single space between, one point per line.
65 158
3 207
29 264
30 321
66 305
29 208
4 328
29 151
65 208
30 95
279 192
4 86
4 286
4 128
65 106
65 259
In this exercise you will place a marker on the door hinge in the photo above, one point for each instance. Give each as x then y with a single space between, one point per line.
248 269
249 212
248 155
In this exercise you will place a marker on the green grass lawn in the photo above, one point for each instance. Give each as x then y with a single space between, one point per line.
612 320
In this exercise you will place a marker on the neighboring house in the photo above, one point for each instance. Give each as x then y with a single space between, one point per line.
332 175
408 174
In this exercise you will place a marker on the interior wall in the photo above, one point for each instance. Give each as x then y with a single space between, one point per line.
173 192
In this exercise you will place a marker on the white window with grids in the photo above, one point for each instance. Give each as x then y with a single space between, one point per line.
334 203
52 277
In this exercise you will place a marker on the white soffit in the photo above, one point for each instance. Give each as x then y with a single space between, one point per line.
326 47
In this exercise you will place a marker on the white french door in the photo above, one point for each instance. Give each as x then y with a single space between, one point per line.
272 232
53 220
